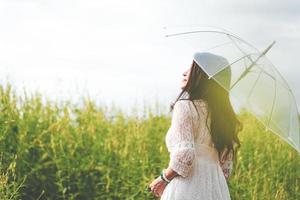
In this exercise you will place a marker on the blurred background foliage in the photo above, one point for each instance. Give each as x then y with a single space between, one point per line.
59 150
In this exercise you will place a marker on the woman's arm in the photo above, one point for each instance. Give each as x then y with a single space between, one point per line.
182 154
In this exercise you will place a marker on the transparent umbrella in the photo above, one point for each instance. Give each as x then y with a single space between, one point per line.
250 78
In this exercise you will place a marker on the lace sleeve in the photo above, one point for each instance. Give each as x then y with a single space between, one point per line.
183 155
227 165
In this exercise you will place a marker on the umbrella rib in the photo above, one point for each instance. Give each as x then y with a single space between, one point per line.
248 56
290 113
273 103
273 77
237 46
254 85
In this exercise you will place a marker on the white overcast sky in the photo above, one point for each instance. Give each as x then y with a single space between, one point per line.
113 50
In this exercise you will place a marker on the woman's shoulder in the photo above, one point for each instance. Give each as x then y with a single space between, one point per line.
182 102
183 106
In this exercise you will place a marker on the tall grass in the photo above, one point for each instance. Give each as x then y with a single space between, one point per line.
59 150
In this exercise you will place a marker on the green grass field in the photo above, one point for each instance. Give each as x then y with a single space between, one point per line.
58 150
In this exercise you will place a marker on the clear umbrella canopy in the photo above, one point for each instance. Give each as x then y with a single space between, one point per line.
251 79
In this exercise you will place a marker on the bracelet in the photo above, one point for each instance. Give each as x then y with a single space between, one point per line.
163 177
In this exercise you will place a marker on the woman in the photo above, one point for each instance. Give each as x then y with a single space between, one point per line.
202 139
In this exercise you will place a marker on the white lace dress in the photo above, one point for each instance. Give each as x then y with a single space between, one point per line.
193 157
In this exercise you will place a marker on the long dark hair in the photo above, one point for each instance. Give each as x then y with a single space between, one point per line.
224 123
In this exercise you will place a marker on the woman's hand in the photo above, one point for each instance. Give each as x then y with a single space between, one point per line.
157 187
